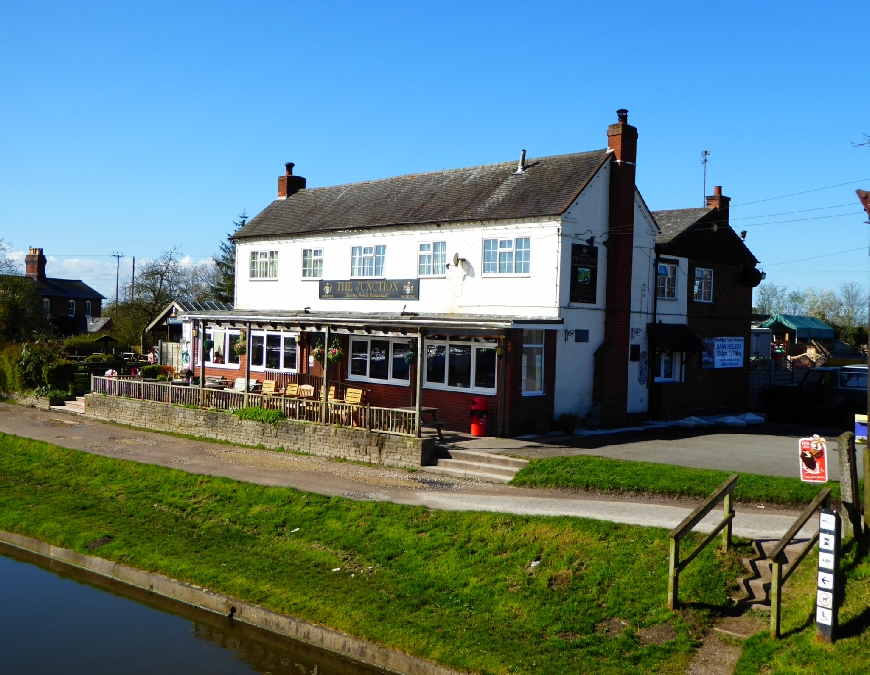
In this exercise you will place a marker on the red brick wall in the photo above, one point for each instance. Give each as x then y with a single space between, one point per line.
712 391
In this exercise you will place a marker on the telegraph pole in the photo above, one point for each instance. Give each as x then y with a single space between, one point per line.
704 155
117 256
133 281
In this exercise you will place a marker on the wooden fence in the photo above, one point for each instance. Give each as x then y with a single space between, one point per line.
309 409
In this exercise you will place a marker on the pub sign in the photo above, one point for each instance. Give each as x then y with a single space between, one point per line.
584 274
370 289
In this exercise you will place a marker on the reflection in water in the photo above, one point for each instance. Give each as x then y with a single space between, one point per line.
63 620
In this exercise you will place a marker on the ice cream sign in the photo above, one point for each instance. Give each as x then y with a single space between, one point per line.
813 459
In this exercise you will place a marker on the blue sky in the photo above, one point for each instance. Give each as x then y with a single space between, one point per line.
138 127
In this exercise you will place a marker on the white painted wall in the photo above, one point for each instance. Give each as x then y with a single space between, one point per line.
587 217
642 304
463 290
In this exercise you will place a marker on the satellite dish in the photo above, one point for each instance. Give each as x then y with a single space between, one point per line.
455 259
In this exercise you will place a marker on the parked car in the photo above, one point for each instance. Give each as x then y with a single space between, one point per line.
834 395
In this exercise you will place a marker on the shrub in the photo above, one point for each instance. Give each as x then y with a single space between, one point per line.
48 392
95 358
60 374
34 357
260 415
166 371
10 371
162 378
150 371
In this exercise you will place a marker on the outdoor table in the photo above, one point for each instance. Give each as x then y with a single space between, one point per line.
427 410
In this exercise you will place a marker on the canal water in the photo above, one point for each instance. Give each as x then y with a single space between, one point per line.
57 619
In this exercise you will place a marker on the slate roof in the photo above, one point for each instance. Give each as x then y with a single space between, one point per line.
676 221
66 288
548 187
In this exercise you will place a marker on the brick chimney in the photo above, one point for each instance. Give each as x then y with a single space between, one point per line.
289 184
717 201
610 384
34 264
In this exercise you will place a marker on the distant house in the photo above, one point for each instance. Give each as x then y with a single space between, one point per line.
69 304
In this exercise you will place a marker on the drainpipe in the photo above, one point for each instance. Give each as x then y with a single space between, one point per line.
248 360
418 398
199 341
323 403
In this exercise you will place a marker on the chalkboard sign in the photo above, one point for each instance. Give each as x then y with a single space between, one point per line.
584 274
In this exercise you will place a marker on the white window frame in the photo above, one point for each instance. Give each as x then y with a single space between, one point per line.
660 356
312 267
432 256
368 342
704 285
72 307
88 308
230 338
476 343
368 261
667 291
46 307
507 257
263 265
284 335
528 343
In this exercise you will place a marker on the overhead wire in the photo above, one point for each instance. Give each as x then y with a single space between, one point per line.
804 192
824 255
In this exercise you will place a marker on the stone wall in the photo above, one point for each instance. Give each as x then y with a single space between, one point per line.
316 439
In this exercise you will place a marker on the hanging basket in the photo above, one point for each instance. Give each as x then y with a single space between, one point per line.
410 358
318 353
335 353
240 347
207 345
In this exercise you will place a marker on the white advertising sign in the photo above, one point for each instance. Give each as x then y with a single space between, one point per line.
722 352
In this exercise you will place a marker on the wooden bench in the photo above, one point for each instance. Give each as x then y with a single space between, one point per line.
239 384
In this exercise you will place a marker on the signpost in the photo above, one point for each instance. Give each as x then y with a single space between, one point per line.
813 459
828 591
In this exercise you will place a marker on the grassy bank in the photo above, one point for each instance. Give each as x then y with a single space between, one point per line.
457 588
588 472
798 653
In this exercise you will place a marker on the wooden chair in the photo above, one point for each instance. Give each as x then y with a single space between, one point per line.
292 389
354 397
239 385
306 391
269 389
331 397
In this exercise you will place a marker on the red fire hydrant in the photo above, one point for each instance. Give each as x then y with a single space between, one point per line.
478 416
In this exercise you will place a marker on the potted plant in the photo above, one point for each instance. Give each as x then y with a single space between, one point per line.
318 352
240 347
410 358
568 422
593 417
335 353
207 344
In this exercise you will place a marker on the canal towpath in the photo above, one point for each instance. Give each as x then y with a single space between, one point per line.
331 478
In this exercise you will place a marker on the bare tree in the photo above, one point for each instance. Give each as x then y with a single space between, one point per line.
796 302
853 301
771 299
7 266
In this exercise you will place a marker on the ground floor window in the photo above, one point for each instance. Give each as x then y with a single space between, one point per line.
274 351
666 366
222 352
533 362
463 363
380 359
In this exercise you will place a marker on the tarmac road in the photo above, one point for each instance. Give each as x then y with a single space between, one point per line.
322 476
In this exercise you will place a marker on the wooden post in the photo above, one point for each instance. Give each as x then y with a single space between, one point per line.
248 359
674 574
324 407
502 386
418 398
726 532
199 344
775 597
849 498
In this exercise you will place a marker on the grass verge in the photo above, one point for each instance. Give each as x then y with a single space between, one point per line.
588 472
457 588
797 652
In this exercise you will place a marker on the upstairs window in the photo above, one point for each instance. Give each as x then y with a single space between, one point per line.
88 308
432 259
666 281
506 256
312 263
46 307
72 307
264 265
367 261
703 291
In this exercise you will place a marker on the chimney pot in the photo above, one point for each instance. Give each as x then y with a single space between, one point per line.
717 190
622 114
521 167
289 166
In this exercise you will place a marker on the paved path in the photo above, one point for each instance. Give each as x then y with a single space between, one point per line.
332 478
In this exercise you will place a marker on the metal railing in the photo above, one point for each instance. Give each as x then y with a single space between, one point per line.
302 409
779 573
724 493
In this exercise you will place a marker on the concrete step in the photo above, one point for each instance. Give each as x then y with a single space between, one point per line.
755 585
74 409
478 467
488 458
447 470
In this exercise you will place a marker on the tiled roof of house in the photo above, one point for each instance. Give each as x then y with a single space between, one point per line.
66 288
548 186
676 221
